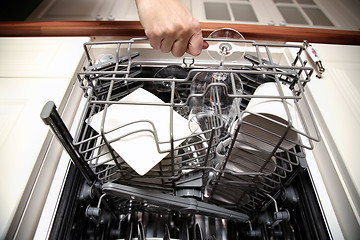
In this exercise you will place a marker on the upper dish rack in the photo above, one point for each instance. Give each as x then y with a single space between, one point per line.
217 159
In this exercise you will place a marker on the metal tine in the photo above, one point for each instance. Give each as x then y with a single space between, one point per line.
246 159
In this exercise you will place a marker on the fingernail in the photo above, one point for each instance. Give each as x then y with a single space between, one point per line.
205 45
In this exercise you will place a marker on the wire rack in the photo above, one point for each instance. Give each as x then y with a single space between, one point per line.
233 171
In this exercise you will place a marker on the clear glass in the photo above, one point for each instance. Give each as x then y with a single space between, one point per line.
243 12
317 16
292 15
216 11
226 47
213 105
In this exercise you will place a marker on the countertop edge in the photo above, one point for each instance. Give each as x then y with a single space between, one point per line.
134 29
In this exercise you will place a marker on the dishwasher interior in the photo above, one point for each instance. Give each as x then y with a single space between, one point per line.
170 148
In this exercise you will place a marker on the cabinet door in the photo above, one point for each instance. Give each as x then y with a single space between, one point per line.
331 14
126 10
71 10
88 10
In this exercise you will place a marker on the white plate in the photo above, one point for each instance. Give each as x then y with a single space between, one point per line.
140 150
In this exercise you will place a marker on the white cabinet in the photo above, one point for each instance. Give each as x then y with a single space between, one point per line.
334 99
72 10
88 10
32 72
332 14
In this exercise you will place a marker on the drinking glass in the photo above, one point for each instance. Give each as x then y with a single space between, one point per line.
212 105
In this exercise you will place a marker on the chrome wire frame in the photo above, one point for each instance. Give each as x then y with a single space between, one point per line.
105 83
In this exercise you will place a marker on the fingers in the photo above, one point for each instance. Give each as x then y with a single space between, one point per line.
155 42
189 40
170 27
167 44
176 42
195 44
178 45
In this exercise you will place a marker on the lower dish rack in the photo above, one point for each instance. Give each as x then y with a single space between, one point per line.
195 121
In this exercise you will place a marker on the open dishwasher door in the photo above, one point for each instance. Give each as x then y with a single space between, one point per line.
225 175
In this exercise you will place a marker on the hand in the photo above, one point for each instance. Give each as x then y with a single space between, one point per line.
170 27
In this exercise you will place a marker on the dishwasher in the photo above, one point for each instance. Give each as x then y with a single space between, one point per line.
170 148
